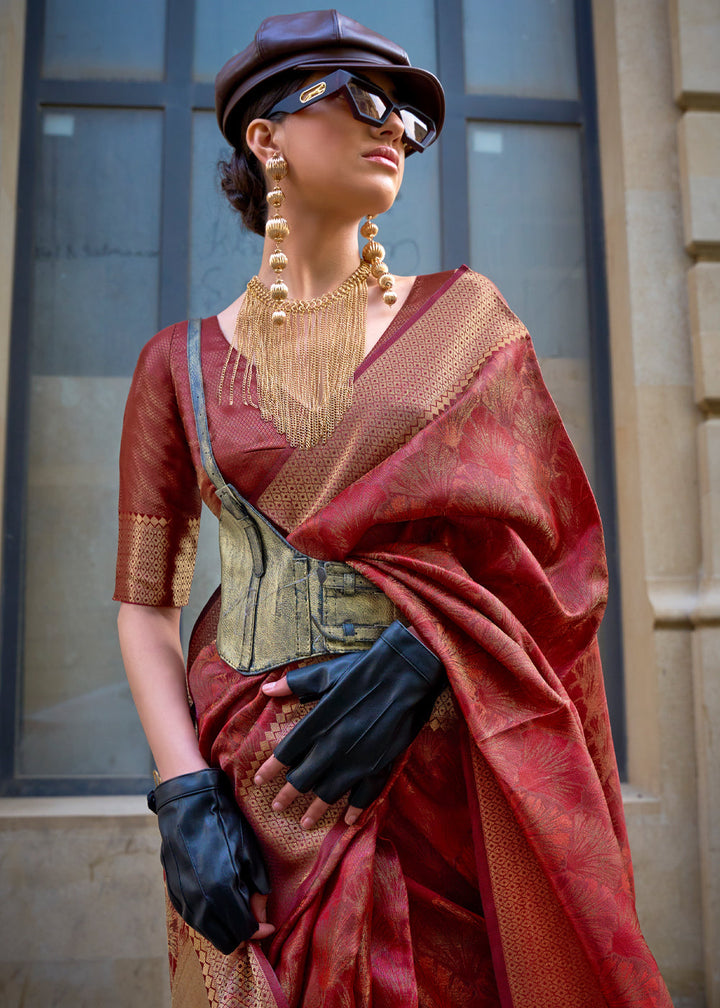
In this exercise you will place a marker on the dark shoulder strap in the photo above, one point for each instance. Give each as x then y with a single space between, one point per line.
230 499
227 495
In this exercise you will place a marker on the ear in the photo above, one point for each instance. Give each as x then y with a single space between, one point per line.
262 139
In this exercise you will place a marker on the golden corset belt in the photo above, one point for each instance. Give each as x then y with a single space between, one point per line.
277 604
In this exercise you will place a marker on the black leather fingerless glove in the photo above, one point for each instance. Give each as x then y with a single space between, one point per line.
372 705
211 857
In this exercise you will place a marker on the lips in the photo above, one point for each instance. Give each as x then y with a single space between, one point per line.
384 154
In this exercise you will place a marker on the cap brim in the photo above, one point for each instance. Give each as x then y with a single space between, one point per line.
417 87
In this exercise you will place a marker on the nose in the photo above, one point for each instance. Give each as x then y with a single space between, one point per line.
392 127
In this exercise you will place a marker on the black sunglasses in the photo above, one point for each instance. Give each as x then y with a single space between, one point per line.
368 103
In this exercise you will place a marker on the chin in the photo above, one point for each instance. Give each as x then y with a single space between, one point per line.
380 203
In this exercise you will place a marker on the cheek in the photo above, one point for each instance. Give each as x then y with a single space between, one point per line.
317 147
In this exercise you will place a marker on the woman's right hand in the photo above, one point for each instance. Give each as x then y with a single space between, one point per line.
213 865
212 860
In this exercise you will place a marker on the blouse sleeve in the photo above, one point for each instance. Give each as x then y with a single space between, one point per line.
159 505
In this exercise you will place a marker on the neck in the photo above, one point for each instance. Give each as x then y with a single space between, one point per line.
319 257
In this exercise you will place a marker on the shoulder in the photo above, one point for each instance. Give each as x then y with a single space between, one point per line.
481 286
477 300
466 280
167 349
156 353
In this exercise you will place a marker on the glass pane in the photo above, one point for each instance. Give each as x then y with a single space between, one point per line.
97 240
224 27
520 47
78 718
528 236
94 303
224 255
108 40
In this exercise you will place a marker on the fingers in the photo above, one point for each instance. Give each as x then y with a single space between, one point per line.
287 793
278 688
258 905
269 771
285 797
263 931
352 815
316 810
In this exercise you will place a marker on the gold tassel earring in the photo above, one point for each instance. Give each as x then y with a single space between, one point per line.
277 230
374 253
300 355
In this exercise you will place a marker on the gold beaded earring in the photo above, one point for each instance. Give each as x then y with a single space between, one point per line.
277 230
374 253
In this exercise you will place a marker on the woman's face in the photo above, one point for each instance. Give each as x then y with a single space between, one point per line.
339 165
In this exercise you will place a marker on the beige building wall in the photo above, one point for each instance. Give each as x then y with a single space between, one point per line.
659 87
80 876
695 28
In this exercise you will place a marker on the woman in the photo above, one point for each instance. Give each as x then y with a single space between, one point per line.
397 434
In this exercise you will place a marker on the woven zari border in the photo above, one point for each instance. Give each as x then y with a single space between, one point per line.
158 554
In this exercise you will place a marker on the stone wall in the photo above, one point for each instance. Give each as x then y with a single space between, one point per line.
658 80
83 923
695 27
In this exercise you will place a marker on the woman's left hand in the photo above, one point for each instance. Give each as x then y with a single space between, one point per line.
287 794
370 706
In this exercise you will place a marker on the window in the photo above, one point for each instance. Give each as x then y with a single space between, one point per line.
121 230
521 152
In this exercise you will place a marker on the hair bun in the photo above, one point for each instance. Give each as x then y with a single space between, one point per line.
244 188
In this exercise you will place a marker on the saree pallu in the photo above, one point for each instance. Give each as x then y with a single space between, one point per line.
494 869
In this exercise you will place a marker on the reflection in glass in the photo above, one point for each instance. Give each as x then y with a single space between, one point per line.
94 303
520 47
104 39
527 235
224 27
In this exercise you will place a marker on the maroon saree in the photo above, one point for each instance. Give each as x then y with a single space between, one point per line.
494 870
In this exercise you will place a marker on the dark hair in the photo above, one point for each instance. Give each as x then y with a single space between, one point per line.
242 177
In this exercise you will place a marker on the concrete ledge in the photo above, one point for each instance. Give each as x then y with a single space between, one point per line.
132 809
637 801
27 811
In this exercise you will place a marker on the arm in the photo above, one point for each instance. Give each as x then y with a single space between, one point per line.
155 667
152 653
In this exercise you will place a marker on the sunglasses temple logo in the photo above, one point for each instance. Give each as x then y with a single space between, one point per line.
313 92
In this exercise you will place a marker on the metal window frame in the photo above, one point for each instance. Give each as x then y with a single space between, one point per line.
454 183
177 96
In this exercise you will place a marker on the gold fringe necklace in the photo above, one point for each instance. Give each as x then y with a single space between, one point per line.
304 367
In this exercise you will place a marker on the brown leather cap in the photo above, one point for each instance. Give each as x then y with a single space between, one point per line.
319 40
